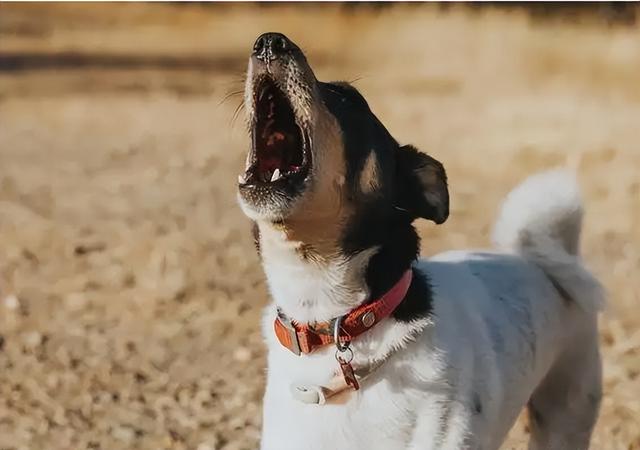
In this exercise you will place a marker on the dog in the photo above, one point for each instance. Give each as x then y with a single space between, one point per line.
370 347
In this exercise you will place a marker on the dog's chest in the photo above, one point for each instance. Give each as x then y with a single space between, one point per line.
381 415
375 418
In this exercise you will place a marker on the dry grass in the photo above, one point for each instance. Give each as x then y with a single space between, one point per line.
129 289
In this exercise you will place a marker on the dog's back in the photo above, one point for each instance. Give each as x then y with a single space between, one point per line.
521 323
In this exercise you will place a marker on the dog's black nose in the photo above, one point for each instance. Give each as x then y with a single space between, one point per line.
272 45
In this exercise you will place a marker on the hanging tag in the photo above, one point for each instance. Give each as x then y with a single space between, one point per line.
344 358
348 374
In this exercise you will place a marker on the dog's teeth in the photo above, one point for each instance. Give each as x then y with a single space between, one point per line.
247 162
240 179
276 175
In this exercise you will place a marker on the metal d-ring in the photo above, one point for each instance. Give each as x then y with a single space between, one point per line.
341 359
336 336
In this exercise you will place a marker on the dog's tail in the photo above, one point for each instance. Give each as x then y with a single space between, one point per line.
541 220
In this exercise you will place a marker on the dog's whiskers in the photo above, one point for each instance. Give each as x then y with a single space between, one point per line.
230 95
236 112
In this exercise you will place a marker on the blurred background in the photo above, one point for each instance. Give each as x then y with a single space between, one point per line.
130 292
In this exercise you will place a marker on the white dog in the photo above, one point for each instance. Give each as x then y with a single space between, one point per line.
370 348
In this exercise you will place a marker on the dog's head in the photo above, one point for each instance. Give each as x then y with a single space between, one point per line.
320 160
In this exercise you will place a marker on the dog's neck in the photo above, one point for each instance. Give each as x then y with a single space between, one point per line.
311 287
316 281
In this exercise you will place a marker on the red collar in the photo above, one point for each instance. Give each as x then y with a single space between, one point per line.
305 338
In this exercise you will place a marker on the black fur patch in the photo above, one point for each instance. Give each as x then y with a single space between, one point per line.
378 221
362 134
398 245
419 299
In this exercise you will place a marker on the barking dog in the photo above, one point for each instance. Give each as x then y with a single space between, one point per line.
371 348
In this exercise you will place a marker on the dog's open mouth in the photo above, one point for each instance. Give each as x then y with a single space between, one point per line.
280 154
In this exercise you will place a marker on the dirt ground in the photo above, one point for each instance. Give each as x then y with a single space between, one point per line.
130 293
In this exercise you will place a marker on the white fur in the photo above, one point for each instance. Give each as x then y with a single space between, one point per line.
507 329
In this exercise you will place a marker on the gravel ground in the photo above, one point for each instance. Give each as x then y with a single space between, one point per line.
130 292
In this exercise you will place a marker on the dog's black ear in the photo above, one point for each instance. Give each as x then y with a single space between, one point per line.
421 185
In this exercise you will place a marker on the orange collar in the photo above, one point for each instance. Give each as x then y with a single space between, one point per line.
305 338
